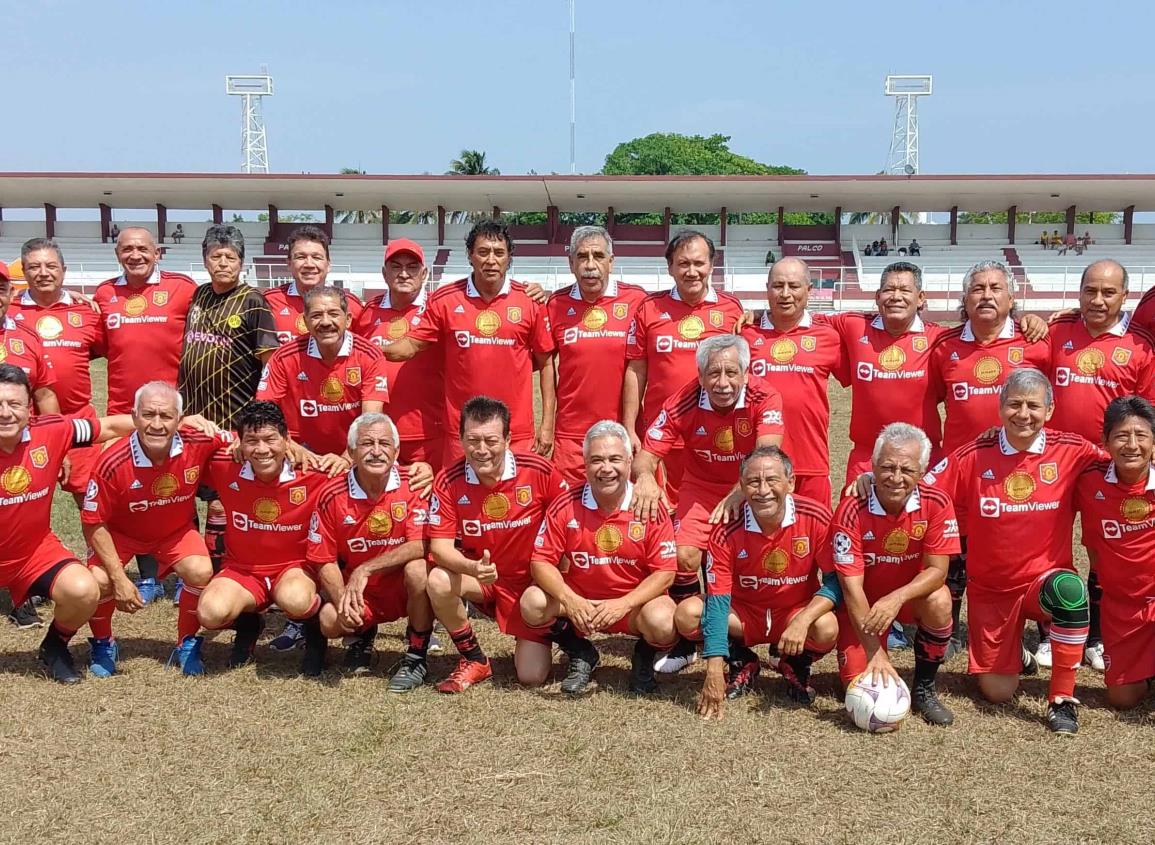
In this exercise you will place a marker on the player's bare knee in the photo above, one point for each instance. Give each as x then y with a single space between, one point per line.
1127 696
688 615
656 619
439 584
330 623
416 577
534 605
76 587
195 571
998 689
296 600
824 630
689 559
214 613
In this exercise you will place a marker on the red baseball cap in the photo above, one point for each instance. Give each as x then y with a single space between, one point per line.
404 245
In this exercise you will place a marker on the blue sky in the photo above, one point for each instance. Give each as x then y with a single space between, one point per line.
402 87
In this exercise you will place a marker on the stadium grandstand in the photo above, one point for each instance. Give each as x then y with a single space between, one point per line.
846 278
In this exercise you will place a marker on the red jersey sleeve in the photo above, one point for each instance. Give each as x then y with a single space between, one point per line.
770 414
664 433
322 539
429 322
719 562
273 385
541 340
442 509
417 517
636 336
555 485
823 547
942 537
846 546
102 493
550 543
661 551
375 380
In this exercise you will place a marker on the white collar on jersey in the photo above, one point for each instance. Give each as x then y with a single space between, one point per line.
9 323
471 288
592 504
27 300
1005 333
806 322
509 472
711 294
140 457
750 523
387 298
287 472
356 491
154 279
291 290
916 325
1121 325
704 399
913 502
26 435
1112 477
1036 447
611 289
343 352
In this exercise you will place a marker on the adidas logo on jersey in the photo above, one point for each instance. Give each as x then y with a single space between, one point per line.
758 342
459 310
136 485
284 312
1068 346
743 554
349 520
464 500
233 486
863 339
570 313
701 431
954 356
1099 495
573 523
988 474
665 315
869 535
302 377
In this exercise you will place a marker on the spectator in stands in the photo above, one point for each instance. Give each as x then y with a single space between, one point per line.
875 248
914 248
1085 243
1068 242
177 234
770 257
868 250
114 233
883 249
1056 241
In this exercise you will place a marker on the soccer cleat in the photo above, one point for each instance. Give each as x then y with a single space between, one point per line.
925 702
581 669
55 655
678 658
292 636
466 674
102 657
25 616
1043 654
248 627
743 672
897 640
1030 664
316 647
176 593
1093 656
797 689
435 646
409 675
1063 716
150 590
359 652
642 680
187 656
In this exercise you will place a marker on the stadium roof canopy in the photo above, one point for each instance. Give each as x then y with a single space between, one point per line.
1106 192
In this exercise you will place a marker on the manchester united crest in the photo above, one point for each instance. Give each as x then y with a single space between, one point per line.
620 310
524 495
801 546
637 531
160 297
297 495
75 320
918 530
39 457
399 510
716 318
191 475
513 312
1049 473
919 344
809 342
1015 355
1121 356
744 426
17 346
353 376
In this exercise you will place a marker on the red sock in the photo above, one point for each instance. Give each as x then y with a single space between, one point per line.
101 621
1065 659
187 624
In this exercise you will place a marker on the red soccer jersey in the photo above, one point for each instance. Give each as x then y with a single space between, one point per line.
1119 528
27 480
714 443
288 309
1144 314
967 377
487 348
416 400
1088 372
609 556
267 524
665 334
144 332
591 353
503 518
888 550
70 336
321 400
131 495
21 347
351 528
775 571
798 364
1020 505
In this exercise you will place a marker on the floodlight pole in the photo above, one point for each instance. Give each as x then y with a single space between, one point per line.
572 94
903 156
254 144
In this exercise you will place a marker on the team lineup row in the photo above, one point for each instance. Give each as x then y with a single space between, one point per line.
767 388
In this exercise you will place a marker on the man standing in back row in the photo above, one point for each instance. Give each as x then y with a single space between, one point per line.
309 266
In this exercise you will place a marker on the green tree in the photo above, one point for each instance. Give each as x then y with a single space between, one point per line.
1058 218
471 163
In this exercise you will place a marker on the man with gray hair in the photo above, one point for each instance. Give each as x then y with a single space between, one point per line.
589 321
890 552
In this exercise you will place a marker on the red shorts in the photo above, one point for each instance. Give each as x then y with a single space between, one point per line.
763 624
20 577
386 600
452 451
260 587
82 461
431 450
1128 640
995 626
168 551
815 487
692 520
502 605
569 460
851 654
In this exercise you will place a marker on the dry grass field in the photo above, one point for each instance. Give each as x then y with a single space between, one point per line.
260 755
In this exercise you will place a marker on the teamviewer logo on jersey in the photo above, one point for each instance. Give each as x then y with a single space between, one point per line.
358 544
1062 377
471 527
113 321
462 339
961 392
865 371
989 506
580 559
758 368
1111 529
240 521
664 343
570 336
308 408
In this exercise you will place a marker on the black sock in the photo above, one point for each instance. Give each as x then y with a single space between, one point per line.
147 566
1095 594
801 663
417 642
740 652
685 584
247 623
566 636
466 642
215 540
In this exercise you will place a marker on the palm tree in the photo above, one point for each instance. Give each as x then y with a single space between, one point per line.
471 163
356 216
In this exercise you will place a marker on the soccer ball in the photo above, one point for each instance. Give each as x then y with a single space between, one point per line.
876 708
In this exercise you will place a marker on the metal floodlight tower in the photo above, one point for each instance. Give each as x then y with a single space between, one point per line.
254 147
903 157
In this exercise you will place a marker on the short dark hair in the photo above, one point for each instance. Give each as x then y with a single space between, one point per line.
902 267
37 244
490 229
1127 406
308 233
482 409
223 235
684 237
768 452
259 414
326 290
11 374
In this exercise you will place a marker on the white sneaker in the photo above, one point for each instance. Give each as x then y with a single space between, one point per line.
1043 654
676 659
1093 656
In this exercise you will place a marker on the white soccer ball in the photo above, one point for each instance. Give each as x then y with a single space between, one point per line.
876 708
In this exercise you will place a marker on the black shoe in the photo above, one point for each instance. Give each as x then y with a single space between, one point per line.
359 653
581 668
1063 716
55 655
248 627
409 675
797 676
25 616
744 670
1030 663
642 680
926 704
316 647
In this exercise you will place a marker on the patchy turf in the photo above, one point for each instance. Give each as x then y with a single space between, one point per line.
259 755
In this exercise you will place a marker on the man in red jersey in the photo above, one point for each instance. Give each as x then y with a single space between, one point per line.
20 346
769 579
1117 502
796 355
492 336
367 542
326 379
70 335
617 568
589 319
308 258
483 519
269 505
1017 489
665 335
142 500
416 403
891 549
